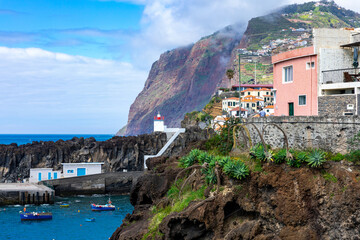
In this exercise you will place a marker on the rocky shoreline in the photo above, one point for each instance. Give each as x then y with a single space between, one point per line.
276 202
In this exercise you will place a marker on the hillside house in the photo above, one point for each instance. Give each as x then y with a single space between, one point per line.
251 103
320 79
235 112
229 103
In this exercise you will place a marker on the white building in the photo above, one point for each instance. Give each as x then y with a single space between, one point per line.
81 169
40 174
229 103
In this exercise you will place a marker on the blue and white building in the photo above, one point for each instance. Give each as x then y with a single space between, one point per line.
81 169
40 174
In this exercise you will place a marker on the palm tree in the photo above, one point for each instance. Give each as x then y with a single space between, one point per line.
230 74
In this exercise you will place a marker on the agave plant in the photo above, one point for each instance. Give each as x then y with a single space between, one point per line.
195 153
223 160
187 161
293 162
280 156
240 170
229 167
302 156
202 157
316 158
210 176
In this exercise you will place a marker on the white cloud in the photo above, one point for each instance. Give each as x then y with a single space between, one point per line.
79 94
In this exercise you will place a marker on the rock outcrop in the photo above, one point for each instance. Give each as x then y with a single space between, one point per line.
278 202
117 153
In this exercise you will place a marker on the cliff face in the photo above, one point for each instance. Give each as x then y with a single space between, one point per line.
277 202
117 154
182 81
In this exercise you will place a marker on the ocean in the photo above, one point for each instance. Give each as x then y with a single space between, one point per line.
20 139
67 223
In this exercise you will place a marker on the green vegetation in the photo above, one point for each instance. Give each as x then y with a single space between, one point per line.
198 116
329 177
178 203
316 158
233 168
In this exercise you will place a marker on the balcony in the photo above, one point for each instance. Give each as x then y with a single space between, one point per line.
345 75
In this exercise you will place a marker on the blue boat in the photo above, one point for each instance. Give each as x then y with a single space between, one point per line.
35 216
106 207
90 220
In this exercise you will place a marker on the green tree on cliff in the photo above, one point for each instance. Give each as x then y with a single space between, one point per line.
230 74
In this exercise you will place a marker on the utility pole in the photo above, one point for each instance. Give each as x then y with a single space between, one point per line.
239 88
255 72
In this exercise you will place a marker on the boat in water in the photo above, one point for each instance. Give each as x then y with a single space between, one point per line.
90 220
106 207
35 216
64 205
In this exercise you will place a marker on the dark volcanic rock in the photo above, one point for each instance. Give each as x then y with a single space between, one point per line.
117 154
277 203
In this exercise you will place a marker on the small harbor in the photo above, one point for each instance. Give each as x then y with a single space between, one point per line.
77 221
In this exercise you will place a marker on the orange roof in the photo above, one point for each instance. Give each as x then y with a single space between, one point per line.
249 89
267 96
270 106
264 89
237 109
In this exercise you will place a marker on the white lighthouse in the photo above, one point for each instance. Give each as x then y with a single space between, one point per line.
159 125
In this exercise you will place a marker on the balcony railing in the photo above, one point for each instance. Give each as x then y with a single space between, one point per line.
340 75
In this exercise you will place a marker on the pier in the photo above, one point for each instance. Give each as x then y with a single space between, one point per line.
25 193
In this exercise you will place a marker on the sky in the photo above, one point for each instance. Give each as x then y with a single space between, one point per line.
76 66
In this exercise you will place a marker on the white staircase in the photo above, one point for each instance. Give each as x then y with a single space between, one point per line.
165 147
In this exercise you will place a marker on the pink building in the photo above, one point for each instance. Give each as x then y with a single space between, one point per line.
295 82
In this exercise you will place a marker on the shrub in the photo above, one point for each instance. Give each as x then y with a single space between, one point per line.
293 162
280 156
258 152
353 156
240 170
316 158
210 176
301 156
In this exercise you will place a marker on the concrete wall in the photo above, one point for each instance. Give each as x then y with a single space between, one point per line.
336 105
114 183
303 132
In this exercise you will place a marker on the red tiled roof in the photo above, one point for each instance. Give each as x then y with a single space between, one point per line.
232 98
254 85
237 109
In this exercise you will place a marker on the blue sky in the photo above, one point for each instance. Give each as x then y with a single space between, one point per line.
75 66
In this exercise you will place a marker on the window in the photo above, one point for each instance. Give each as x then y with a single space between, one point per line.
288 74
258 94
248 93
310 65
302 100
70 171
253 104
247 105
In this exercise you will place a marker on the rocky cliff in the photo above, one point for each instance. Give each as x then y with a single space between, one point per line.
182 81
276 202
118 153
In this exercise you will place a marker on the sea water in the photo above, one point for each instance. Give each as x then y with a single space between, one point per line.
67 223
20 139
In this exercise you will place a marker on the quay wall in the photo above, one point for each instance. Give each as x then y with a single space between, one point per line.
105 183
327 133
20 193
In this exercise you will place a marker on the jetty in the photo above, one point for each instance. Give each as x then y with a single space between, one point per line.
25 193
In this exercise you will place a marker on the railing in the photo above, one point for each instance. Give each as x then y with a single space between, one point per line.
340 75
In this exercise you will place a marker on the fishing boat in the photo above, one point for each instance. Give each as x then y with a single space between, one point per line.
106 207
90 220
64 205
35 215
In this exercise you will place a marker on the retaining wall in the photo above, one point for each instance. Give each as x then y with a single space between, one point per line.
331 134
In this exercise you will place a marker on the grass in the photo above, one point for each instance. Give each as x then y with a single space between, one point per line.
178 205
329 177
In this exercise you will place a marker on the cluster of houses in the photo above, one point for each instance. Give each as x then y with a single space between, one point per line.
318 80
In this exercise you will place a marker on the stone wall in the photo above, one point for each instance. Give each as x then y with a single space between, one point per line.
336 105
332 134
